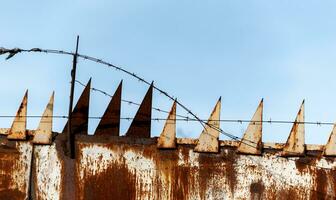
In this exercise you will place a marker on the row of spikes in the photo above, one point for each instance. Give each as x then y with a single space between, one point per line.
251 143
208 141
108 125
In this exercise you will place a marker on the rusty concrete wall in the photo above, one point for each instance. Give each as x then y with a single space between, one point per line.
34 165
133 168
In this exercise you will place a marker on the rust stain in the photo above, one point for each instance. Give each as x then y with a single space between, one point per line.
229 160
181 183
257 189
12 169
13 194
105 181
175 184
115 182
8 163
288 194
174 181
303 164
322 185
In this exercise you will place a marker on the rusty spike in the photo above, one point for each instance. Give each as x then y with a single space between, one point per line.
330 147
251 142
18 129
295 145
80 114
167 139
110 122
43 134
208 140
141 124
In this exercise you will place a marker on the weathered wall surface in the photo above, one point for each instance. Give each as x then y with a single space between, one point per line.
15 166
131 168
141 171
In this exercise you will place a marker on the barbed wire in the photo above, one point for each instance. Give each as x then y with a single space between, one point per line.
204 123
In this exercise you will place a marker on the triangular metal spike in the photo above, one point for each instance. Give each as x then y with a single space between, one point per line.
43 134
208 140
80 114
251 142
141 124
295 145
18 129
110 122
167 139
330 147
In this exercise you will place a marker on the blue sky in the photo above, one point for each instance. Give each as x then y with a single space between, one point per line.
282 51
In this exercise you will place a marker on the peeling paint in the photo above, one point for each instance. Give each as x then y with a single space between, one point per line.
48 173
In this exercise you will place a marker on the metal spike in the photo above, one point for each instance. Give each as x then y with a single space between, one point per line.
295 145
18 129
330 147
43 134
251 142
141 124
208 140
167 139
110 122
80 114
